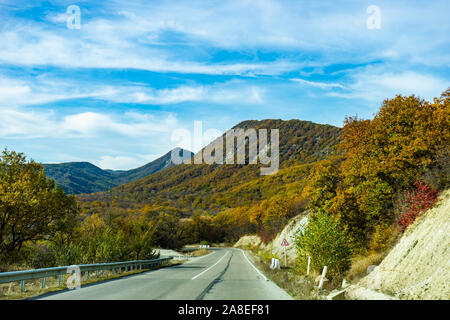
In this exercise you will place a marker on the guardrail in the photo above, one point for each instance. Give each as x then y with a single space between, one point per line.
43 273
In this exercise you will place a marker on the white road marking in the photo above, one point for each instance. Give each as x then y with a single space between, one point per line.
264 277
209 267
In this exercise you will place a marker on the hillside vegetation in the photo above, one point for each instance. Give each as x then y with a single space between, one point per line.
211 187
84 177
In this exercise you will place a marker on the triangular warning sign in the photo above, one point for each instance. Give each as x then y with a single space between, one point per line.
284 243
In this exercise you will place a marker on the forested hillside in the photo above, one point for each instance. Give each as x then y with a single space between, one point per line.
84 177
191 187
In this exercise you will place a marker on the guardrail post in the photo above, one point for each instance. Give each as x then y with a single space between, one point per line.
112 271
60 279
22 285
43 283
96 273
86 275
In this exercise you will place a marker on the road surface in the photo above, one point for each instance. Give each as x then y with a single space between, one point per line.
224 274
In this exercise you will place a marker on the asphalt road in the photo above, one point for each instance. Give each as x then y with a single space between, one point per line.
225 274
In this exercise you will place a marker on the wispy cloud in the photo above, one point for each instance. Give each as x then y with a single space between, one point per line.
377 84
317 84
103 44
32 124
141 35
16 92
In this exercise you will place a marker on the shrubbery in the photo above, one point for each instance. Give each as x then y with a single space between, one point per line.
422 198
327 243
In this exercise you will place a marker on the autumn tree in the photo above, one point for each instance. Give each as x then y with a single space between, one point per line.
322 184
32 207
386 155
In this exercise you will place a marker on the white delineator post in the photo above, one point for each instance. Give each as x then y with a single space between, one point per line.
309 263
285 259
324 272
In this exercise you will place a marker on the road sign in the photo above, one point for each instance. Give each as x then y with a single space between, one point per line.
284 243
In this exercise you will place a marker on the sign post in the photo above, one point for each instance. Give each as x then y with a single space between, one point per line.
309 262
284 244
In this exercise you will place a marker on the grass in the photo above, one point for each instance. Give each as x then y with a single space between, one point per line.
11 290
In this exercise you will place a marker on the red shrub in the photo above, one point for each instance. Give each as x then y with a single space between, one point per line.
422 198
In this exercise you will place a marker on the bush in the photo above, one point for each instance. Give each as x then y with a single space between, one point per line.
38 256
327 243
418 201
66 255
381 238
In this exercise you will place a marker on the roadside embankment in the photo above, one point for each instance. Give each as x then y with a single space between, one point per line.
418 267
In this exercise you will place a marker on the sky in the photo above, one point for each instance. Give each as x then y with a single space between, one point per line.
112 84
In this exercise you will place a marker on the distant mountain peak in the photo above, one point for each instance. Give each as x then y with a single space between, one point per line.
84 177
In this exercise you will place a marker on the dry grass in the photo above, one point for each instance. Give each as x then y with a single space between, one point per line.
359 266
11 291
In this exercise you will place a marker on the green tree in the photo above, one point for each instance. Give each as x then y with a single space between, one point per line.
326 242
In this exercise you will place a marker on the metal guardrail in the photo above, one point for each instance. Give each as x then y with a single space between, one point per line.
43 273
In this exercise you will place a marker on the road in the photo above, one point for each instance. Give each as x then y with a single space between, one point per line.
224 274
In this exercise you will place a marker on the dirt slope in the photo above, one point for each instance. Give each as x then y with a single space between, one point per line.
418 267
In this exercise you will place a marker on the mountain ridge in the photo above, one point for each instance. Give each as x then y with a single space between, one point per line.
85 177
191 187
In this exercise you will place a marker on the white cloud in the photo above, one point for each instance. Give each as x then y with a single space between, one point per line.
40 90
137 38
121 162
16 92
110 44
317 84
29 124
375 84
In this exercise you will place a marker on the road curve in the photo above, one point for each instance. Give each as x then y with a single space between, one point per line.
225 274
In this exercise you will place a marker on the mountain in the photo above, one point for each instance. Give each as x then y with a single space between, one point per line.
190 187
84 177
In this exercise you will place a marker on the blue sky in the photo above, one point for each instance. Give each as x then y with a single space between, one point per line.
114 91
